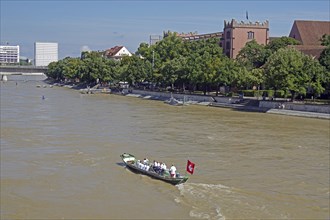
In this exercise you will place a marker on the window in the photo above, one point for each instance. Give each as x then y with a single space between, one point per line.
250 35
227 45
228 34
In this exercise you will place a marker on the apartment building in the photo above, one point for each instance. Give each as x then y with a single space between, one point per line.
9 54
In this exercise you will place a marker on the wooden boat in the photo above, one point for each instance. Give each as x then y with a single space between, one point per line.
132 163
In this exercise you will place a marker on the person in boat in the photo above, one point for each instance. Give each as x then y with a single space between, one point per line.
145 161
138 164
156 167
162 168
143 165
173 171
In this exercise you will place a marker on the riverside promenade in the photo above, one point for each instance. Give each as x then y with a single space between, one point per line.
300 113
241 104
249 104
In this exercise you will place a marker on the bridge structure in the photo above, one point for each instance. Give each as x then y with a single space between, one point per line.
22 70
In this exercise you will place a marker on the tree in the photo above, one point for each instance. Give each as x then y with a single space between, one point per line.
54 71
252 55
203 61
325 40
227 73
134 69
325 55
72 68
255 77
143 50
170 70
324 58
94 67
317 76
289 69
169 48
281 42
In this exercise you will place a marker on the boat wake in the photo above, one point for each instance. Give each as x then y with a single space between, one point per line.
203 199
216 201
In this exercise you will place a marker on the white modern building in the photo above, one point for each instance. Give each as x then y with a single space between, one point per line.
9 54
45 53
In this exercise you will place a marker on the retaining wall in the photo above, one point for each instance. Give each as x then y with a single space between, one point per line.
295 106
186 97
233 100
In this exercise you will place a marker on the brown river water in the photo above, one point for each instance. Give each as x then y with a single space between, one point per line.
60 159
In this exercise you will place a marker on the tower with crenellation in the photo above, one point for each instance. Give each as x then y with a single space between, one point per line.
237 34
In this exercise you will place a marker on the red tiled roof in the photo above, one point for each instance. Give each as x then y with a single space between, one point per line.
312 50
309 32
112 51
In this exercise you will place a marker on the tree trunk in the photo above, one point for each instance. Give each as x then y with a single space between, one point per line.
293 94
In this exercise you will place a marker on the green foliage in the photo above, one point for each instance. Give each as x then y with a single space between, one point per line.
252 55
325 58
134 70
325 61
291 70
325 40
201 65
282 42
269 93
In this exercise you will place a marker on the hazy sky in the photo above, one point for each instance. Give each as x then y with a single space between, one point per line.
99 25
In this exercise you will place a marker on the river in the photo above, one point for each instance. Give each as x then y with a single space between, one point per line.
60 159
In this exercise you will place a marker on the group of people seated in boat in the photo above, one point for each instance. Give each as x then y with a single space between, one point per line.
158 167
144 165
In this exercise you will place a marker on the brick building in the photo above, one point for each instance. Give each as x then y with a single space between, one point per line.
237 34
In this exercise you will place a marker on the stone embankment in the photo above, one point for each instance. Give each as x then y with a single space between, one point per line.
246 104
238 103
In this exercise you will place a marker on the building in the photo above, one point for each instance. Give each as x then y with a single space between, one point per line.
9 54
194 36
116 53
45 53
153 39
309 34
237 34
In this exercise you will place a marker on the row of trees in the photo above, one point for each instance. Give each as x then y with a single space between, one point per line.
201 65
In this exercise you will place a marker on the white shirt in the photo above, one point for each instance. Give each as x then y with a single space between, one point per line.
163 166
172 169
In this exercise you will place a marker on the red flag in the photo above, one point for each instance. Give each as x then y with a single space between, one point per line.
190 167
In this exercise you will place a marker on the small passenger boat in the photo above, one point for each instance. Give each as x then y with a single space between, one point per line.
132 163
